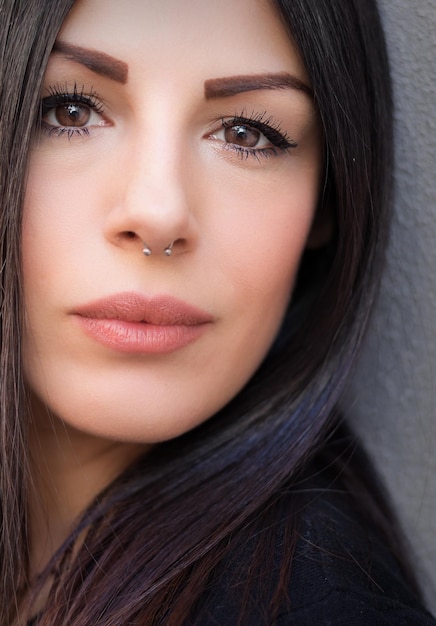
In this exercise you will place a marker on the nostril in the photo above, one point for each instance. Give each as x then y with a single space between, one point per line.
130 234
179 242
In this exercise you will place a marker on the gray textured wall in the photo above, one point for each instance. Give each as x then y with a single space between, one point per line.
393 398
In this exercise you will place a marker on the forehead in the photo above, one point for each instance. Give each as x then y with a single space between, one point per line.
194 35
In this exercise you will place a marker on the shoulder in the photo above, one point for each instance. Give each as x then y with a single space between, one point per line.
343 573
340 571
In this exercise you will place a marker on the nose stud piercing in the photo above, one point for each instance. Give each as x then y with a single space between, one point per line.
168 250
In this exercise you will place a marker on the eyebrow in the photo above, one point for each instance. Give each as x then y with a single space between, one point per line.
98 62
233 85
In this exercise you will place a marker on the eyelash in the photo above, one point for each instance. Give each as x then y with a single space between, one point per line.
271 129
59 96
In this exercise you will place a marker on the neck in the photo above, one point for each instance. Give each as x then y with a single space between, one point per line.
70 469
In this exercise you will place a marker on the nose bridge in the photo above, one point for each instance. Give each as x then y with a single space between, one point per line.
155 188
151 199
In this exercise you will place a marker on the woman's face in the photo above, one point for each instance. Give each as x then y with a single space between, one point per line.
164 124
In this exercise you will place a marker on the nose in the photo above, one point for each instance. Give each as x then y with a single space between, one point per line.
150 206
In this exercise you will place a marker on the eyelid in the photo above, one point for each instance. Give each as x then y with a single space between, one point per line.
68 91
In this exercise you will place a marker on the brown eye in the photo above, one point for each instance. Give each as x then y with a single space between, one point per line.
252 137
242 135
72 115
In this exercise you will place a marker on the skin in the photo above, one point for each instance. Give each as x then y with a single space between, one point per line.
156 165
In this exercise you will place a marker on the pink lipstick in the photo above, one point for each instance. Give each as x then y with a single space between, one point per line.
130 322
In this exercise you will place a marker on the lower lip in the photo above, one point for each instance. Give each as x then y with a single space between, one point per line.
140 337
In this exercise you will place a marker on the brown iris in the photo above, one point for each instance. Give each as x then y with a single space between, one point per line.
72 114
242 135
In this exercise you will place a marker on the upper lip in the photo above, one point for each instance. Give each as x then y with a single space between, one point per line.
160 310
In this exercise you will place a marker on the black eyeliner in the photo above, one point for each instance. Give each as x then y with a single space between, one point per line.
267 127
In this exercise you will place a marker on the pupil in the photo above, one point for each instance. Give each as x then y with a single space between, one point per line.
73 111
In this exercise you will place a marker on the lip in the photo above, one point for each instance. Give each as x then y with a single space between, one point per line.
131 322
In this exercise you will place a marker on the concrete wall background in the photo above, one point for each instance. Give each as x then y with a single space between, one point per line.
393 398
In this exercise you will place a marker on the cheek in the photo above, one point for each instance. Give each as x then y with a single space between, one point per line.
57 215
256 246
259 228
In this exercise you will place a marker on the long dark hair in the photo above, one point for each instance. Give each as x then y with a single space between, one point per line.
150 542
